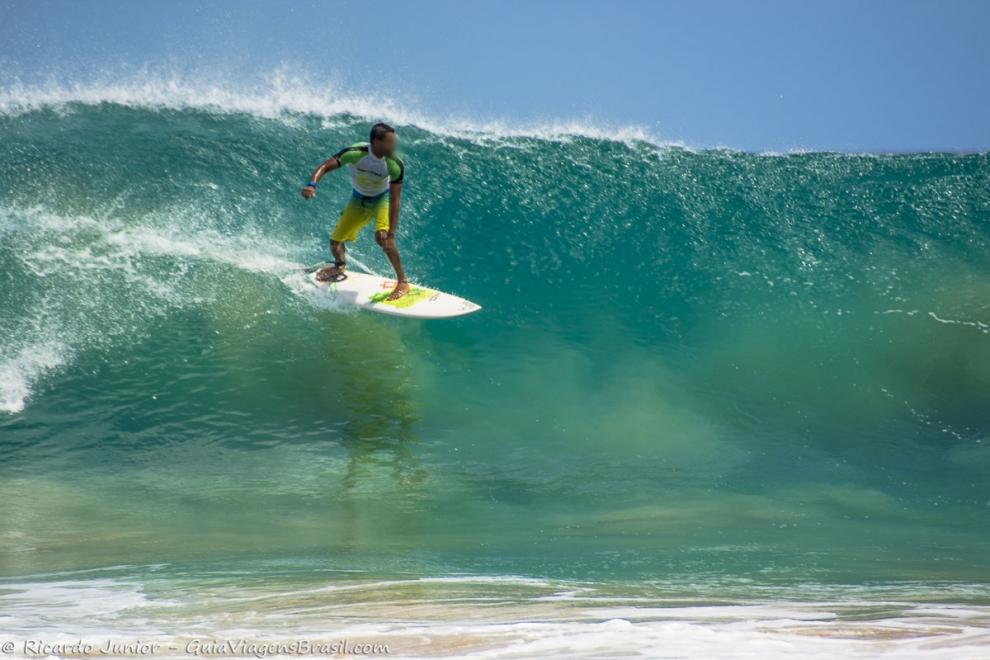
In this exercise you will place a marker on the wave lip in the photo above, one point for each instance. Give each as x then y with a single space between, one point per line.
284 98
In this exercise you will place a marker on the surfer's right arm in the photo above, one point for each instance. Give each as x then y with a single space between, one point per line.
328 165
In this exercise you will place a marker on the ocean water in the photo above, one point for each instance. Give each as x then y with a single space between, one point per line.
716 403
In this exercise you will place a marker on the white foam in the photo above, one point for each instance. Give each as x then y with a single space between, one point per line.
299 283
18 373
979 325
476 616
94 600
283 97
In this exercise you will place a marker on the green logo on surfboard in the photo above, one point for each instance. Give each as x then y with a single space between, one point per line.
414 296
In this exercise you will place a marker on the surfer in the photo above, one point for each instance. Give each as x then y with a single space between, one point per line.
376 178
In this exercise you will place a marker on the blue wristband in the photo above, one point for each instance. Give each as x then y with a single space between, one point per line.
311 184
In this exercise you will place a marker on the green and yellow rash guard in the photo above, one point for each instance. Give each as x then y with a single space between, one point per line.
370 175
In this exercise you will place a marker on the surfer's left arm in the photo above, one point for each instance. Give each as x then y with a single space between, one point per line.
394 193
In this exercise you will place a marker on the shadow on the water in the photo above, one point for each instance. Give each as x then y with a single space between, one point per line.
373 375
343 385
372 380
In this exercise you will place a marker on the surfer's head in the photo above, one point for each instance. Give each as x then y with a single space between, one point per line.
382 139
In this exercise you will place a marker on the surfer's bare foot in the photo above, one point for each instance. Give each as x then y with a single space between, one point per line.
401 289
331 273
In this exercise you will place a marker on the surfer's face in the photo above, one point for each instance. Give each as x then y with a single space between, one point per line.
386 145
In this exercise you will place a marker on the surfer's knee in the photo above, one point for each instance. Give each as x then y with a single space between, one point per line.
380 239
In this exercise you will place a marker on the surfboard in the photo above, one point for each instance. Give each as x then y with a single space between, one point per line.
371 292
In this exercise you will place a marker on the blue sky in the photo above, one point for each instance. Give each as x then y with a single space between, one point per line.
750 74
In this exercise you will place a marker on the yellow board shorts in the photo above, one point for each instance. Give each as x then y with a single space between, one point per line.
357 213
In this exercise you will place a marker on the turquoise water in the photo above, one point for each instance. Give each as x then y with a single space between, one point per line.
699 377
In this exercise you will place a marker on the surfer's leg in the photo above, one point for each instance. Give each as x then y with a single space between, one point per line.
388 247
336 271
339 251
351 219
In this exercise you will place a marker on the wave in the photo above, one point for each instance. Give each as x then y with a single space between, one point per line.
191 187
705 364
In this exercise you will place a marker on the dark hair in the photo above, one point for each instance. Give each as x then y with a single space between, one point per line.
380 130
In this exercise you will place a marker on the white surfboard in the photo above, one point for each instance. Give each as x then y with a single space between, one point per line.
371 292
